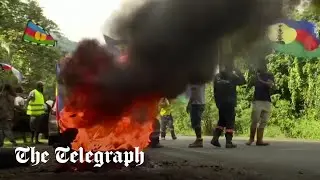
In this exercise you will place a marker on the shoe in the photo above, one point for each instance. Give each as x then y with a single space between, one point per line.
229 143
260 142
198 143
215 140
252 135
173 135
174 138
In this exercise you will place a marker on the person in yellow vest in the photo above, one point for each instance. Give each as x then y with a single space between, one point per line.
36 111
166 118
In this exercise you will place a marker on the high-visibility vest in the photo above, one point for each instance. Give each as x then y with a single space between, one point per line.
36 107
165 111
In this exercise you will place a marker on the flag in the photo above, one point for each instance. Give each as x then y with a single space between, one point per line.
298 38
59 98
113 46
35 34
7 67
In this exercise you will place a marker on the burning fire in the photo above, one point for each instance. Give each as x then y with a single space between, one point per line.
130 130
88 106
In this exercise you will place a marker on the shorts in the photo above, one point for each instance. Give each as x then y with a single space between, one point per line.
261 111
196 115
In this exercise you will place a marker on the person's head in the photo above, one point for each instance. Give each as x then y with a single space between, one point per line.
226 67
39 86
9 90
262 68
19 90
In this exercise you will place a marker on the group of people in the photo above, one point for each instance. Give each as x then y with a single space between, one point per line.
23 115
225 94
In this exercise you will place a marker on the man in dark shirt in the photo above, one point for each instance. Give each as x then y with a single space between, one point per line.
261 105
225 94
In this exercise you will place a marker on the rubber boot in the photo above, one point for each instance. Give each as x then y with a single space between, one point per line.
173 135
260 132
252 135
229 143
215 140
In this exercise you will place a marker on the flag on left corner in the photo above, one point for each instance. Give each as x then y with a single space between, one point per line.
35 34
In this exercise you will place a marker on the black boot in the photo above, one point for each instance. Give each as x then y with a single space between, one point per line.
215 140
173 135
229 143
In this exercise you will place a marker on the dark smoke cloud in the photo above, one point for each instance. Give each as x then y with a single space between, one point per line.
174 42
171 43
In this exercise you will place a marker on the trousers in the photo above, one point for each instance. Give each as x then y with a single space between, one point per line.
166 122
155 135
261 111
6 132
196 115
226 116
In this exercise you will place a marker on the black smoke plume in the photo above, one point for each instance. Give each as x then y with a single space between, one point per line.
171 43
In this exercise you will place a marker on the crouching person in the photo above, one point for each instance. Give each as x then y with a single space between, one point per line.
155 135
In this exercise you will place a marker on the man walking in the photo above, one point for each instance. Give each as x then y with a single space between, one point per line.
225 94
36 110
166 119
6 114
261 105
195 108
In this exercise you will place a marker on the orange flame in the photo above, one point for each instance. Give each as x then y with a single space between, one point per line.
98 133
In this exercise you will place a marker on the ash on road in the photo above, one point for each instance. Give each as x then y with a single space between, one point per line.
281 160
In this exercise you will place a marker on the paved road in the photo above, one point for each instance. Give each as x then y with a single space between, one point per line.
281 160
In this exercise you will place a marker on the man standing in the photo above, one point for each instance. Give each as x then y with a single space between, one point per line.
225 94
21 118
195 108
6 114
261 105
36 110
166 118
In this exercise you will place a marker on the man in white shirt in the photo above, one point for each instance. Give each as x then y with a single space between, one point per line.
195 108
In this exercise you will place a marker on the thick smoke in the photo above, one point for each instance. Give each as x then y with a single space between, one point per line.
174 42
171 43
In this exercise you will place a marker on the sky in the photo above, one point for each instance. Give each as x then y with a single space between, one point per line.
79 19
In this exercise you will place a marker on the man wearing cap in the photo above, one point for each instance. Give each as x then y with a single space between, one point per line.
36 110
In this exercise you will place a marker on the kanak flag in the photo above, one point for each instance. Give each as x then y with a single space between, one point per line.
35 34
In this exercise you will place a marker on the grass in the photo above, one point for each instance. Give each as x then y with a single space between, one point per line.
20 142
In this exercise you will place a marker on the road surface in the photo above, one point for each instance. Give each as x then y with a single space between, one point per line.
280 161
283 159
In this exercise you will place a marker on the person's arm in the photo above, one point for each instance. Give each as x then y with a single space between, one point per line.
269 83
188 108
30 98
238 78
220 80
